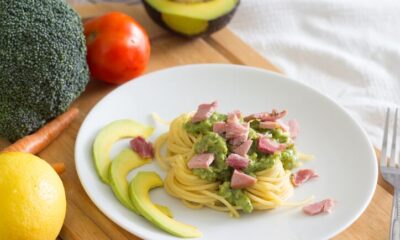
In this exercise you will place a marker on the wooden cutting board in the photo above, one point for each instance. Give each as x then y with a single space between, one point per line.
83 220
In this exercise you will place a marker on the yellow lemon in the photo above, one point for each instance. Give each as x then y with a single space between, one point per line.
32 198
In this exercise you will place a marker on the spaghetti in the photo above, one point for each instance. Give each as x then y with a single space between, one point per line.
173 151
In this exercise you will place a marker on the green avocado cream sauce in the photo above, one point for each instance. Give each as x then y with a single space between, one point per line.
210 142
235 196
204 126
219 170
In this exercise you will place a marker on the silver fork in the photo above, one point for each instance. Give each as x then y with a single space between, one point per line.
390 171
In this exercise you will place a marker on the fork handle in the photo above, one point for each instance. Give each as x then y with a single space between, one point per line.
395 223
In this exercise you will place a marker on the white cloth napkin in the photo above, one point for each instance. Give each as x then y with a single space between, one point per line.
348 50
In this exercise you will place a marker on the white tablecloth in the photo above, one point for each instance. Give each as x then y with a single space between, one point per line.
349 50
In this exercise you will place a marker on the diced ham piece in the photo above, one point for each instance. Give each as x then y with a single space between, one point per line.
254 116
265 116
283 125
143 148
242 180
238 113
269 125
204 111
303 176
236 141
233 126
274 125
324 206
203 160
267 145
243 148
236 161
293 128
219 127
236 132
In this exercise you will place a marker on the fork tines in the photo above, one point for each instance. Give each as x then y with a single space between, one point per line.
393 149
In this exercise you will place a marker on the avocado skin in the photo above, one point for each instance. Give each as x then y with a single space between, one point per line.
213 25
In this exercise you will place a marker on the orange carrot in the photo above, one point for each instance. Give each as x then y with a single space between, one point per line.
59 167
39 140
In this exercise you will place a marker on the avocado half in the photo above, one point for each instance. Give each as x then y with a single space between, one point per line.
191 18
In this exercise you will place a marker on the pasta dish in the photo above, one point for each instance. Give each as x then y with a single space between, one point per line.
229 162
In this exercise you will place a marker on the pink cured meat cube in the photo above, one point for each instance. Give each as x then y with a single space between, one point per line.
242 180
265 116
243 148
203 160
143 148
303 176
204 111
219 127
293 128
267 145
324 206
236 132
237 162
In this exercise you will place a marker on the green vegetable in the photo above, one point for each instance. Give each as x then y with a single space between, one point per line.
42 63
110 134
213 174
139 189
279 135
235 196
212 143
123 163
204 126
219 170
262 162
289 158
253 134
255 124
206 174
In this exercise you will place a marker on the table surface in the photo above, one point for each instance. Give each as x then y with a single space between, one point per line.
83 219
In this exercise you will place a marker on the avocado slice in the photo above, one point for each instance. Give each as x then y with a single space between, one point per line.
108 135
139 195
191 18
120 167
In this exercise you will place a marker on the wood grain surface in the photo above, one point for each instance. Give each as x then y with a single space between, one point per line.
84 221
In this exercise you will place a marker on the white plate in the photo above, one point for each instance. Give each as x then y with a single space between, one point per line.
344 157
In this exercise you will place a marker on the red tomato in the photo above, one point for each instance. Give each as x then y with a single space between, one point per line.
118 48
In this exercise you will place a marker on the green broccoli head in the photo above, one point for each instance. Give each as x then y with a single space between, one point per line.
42 63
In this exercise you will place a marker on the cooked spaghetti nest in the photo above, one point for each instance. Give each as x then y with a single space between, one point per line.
174 149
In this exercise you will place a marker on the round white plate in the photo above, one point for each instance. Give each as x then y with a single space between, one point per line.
344 157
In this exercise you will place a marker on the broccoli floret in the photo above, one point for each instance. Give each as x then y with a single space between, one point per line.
42 63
